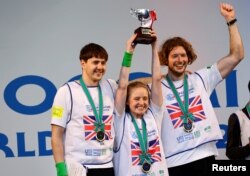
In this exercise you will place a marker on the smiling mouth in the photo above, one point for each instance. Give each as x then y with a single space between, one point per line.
141 108
180 66
99 72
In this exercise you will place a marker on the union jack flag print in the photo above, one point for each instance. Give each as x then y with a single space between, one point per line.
154 150
89 127
195 107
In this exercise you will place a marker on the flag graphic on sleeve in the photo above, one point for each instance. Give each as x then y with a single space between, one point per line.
154 150
195 107
89 127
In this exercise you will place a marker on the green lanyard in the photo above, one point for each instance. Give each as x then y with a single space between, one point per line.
248 109
99 125
186 115
145 156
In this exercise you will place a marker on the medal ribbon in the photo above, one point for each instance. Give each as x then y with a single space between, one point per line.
186 115
248 109
145 156
99 125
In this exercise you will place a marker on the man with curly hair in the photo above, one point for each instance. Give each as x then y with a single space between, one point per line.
190 128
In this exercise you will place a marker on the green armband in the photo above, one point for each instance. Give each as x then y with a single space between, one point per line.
61 169
127 58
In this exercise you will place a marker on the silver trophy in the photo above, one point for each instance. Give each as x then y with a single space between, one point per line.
147 18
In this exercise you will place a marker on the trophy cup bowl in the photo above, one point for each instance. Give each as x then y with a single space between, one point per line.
146 17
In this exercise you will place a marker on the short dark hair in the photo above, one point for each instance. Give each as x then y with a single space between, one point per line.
173 42
93 50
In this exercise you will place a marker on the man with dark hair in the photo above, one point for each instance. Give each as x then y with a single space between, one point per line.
238 133
82 119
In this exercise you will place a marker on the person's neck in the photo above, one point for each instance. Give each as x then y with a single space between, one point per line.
175 77
136 116
89 82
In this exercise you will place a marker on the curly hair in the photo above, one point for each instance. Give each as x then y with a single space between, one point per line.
170 44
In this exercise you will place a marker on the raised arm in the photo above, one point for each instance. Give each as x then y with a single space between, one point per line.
156 90
236 52
121 93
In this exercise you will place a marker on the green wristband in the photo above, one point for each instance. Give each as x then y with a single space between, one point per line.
61 169
127 58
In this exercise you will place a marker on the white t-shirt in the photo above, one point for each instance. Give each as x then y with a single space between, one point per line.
80 141
181 147
127 147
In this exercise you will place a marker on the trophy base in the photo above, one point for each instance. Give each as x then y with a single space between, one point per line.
143 36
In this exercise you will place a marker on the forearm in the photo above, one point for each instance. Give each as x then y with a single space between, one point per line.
238 152
236 49
57 143
236 45
156 91
58 151
236 52
125 70
155 66
120 98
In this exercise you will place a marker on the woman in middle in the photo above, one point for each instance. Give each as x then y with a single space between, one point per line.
138 116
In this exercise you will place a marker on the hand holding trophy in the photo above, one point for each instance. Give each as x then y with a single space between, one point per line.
147 17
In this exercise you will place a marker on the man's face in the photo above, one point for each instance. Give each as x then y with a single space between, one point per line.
177 61
93 69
